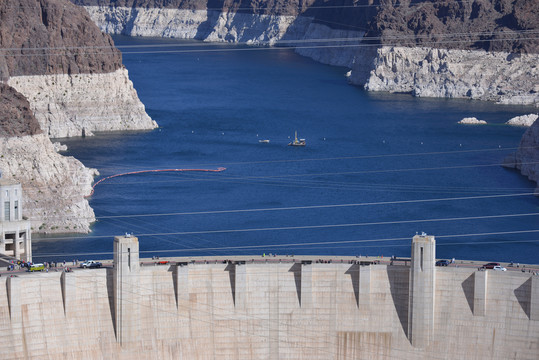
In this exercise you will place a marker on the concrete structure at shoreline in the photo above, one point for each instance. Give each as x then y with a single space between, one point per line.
271 310
15 234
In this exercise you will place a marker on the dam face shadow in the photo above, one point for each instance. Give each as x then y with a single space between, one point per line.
399 280
110 293
231 268
468 286
353 271
523 295
296 269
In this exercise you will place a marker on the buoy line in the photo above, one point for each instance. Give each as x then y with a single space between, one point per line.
219 169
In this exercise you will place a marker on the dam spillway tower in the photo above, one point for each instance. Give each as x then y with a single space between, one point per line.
421 290
15 233
126 281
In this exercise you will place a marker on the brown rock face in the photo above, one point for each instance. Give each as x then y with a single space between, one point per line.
16 118
39 37
494 25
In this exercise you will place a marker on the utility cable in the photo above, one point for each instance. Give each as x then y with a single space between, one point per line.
203 249
310 207
275 42
258 48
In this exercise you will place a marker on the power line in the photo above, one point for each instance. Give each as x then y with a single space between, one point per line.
310 207
258 48
361 157
309 244
375 156
278 177
281 41
305 227
225 178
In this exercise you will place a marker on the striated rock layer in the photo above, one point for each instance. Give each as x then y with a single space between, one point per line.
54 185
493 25
195 24
69 71
474 74
77 105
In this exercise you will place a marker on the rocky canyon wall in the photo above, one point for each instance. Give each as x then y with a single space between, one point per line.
54 185
477 50
77 105
60 76
65 67
452 73
526 158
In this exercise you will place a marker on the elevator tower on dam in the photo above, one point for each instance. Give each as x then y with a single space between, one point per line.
15 234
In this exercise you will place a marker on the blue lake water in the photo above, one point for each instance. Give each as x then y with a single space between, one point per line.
384 153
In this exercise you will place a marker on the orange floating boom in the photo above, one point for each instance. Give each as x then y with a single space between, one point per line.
219 169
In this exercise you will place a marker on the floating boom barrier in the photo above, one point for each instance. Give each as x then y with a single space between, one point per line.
219 169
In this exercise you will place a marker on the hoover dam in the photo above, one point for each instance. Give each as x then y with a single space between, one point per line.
271 308
276 307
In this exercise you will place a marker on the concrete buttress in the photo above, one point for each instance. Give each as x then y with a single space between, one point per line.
534 298
480 293
306 285
421 291
126 289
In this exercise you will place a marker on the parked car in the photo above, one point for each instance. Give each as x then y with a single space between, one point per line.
490 265
91 264
36 267
443 263
499 268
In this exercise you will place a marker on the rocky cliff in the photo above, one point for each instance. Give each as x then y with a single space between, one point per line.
77 105
42 37
54 185
454 73
16 119
59 76
53 54
526 159
494 25
488 49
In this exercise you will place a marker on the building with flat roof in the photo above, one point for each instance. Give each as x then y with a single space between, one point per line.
15 234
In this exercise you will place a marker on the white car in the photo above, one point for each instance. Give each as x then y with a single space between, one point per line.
90 264
499 268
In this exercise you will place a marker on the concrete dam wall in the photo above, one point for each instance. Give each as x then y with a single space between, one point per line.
287 310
